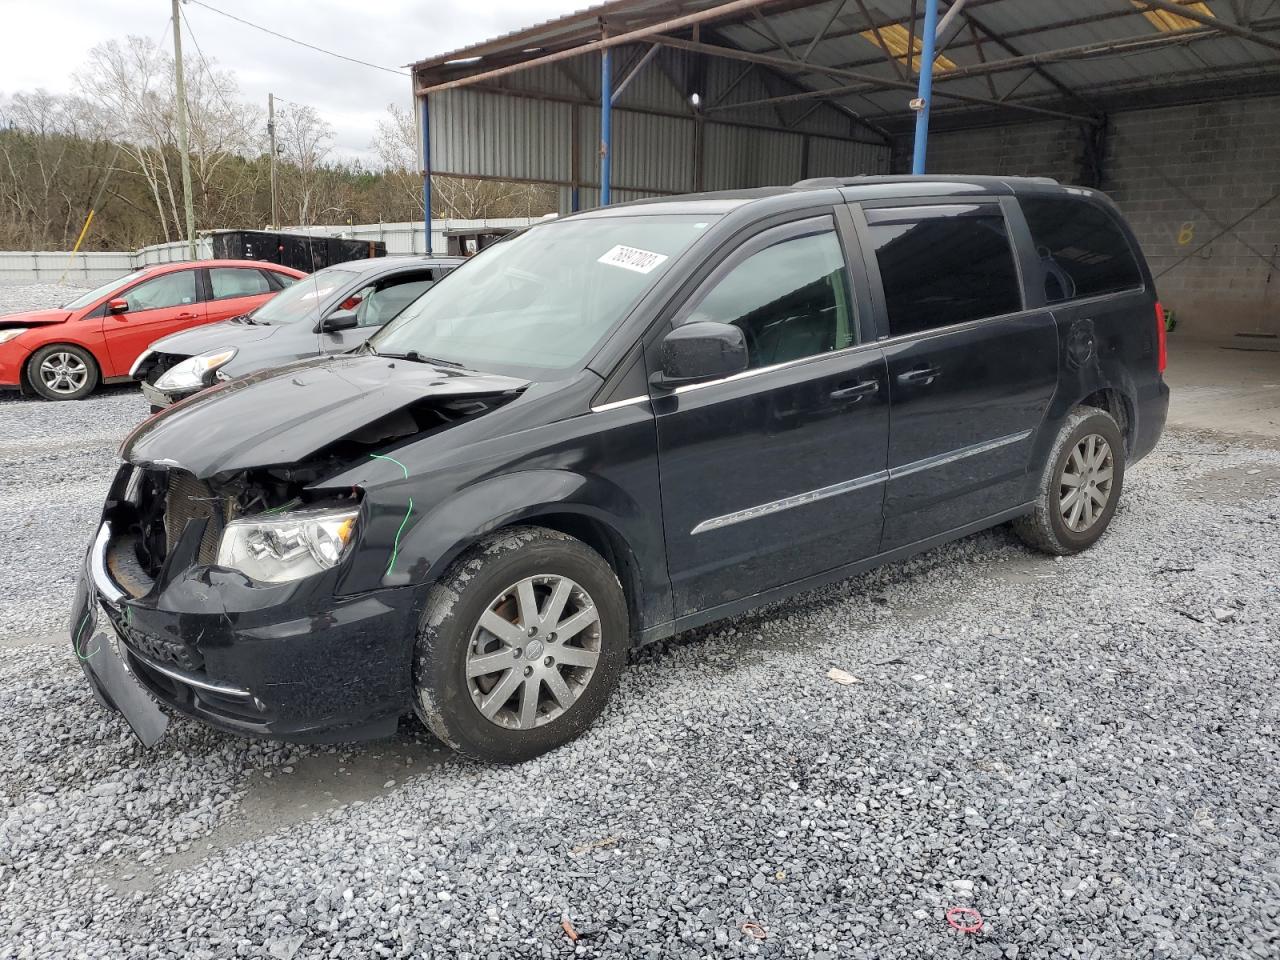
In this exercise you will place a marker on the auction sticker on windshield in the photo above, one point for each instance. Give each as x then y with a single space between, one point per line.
632 258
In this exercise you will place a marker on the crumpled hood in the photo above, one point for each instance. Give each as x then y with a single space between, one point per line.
33 318
287 414
213 336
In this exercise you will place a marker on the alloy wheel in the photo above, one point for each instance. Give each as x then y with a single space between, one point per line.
63 372
533 652
1085 485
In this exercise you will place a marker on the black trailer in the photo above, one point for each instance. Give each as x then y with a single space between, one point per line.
301 251
468 241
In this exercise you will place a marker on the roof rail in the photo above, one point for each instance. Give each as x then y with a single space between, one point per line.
830 181
901 178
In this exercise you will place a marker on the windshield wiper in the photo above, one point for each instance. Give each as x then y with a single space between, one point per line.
416 357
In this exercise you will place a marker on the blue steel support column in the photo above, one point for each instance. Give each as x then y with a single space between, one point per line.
606 124
925 92
426 173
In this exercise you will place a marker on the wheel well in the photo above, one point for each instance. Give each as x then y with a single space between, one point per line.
609 544
1116 404
24 372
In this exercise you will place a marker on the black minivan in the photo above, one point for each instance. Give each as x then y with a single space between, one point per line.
612 427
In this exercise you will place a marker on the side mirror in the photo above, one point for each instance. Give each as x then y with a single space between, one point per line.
118 305
702 350
342 320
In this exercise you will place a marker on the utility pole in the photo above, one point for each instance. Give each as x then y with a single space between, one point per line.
271 131
185 155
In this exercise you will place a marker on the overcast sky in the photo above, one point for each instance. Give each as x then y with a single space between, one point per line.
47 40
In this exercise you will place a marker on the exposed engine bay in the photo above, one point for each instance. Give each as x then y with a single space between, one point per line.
163 501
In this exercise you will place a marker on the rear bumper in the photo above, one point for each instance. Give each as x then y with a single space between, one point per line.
1152 410
281 661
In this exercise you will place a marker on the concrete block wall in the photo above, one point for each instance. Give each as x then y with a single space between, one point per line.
1180 175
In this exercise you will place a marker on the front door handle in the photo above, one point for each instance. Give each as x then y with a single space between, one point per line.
857 391
919 377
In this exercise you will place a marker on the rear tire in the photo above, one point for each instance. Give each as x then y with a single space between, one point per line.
512 692
1080 486
62 371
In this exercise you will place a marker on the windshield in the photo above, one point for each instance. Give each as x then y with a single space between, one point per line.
302 299
99 292
541 301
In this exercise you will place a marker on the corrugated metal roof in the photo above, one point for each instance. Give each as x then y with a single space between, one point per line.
1134 52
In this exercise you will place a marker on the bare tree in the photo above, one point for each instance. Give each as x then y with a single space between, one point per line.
304 141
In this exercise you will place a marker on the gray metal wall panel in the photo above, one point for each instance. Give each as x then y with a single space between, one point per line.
840 158
738 157
486 134
652 153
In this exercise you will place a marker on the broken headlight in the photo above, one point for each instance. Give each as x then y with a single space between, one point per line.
287 546
190 373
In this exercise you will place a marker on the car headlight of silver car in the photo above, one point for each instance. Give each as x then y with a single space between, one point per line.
287 546
190 373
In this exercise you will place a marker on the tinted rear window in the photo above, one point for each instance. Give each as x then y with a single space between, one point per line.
943 265
1082 250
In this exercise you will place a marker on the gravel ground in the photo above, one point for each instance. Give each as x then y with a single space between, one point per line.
1083 750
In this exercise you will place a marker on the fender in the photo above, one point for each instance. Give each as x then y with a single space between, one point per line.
1085 370
76 333
433 538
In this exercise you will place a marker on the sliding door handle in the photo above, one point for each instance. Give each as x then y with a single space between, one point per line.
919 377
857 391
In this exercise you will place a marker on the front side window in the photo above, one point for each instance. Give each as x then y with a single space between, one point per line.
302 300
237 282
943 265
382 302
1082 251
791 300
87 298
540 301
169 290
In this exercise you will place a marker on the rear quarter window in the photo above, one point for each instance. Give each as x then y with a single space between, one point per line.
1081 248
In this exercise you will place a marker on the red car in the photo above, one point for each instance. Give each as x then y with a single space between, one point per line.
64 354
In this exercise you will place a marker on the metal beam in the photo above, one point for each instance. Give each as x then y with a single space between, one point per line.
944 25
785 77
606 124
605 43
1084 51
1032 60
884 47
923 98
1004 43
626 81
817 37
1244 33
867 81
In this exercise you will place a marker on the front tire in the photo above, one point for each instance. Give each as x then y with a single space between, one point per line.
1080 485
62 371
520 646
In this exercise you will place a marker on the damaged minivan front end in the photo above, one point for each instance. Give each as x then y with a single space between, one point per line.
246 560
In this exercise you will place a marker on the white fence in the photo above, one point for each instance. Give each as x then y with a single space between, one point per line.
86 269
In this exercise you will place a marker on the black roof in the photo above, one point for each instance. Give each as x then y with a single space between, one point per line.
891 187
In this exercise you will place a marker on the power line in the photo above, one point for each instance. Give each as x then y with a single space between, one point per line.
301 43
213 80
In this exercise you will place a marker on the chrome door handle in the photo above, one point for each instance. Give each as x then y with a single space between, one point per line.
919 377
857 391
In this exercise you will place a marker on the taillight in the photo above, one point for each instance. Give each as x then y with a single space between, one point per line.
1162 344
